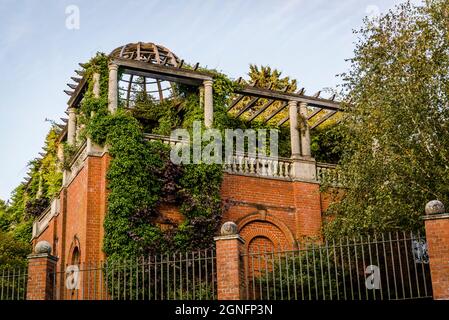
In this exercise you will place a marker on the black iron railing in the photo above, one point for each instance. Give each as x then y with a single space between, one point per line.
13 283
180 276
386 267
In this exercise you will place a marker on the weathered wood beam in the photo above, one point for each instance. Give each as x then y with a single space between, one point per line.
77 94
314 113
172 72
287 96
248 106
324 118
282 107
280 123
262 109
72 86
157 76
76 79
235 102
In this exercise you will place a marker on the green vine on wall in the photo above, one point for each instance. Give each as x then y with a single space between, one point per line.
141 177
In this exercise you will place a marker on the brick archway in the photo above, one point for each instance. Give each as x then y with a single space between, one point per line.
265 226
75 249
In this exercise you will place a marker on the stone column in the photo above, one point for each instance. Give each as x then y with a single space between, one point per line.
437 235
208 104
112 89
60 155
93 148
71 130
305 132
41 283
294 132
96 86
230 277
303 165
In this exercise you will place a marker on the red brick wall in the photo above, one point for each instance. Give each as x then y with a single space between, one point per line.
230 284
437 235
40 278
281 211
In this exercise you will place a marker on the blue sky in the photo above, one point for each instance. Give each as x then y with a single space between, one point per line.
307 39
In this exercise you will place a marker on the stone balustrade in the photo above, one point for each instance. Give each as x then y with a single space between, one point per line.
326 173
259 166
41 223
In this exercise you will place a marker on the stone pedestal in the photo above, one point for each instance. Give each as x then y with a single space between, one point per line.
230 278
41 283
437 236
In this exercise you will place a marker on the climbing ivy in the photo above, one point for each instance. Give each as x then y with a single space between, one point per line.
141 177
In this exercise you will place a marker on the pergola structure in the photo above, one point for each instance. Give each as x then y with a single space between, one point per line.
148 64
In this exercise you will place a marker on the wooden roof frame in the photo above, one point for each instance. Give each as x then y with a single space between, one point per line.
194 77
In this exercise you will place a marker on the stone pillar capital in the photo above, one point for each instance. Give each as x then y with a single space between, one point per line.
208 82
112 66
292 103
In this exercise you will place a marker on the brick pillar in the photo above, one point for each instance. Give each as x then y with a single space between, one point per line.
307 209
230 276
41 273
437 235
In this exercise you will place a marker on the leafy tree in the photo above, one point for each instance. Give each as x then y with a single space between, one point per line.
4 219
397 146
12 252
266 77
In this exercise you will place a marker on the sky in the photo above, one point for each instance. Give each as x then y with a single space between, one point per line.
42 42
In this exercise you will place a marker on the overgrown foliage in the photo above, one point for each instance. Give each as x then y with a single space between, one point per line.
396 151
29 200
141 178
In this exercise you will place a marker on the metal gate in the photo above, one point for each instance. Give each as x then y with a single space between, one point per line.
188 276
386 267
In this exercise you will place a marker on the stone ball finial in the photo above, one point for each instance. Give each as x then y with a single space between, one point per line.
434 207
228 228
42 247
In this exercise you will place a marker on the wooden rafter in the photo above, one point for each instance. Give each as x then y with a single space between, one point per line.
262 109
282 107
235 102
248 106
289 96
324 118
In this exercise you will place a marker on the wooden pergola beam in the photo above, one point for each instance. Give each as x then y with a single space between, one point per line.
264 107
162 72
235 102
76 96
284 104
324 118
280 123
288 96
314 113
248 106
